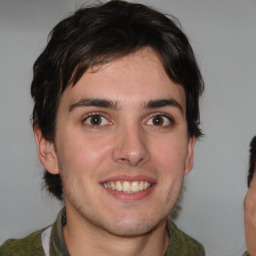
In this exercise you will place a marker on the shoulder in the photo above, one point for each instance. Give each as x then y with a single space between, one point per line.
182 244
30 245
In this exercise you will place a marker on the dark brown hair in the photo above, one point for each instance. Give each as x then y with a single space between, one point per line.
97 35
252 160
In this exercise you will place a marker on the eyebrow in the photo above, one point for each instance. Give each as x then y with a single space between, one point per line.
101 103
163 103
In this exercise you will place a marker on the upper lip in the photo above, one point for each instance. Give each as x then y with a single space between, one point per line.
129 178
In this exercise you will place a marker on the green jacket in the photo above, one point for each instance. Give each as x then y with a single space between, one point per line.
180 243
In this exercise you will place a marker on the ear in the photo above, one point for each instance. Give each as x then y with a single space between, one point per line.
46 152
190 155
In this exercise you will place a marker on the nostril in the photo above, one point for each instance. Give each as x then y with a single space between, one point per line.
123 159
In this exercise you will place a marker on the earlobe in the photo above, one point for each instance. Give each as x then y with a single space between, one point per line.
190 155
46 152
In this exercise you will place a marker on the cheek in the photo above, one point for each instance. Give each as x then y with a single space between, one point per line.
171 154
82 154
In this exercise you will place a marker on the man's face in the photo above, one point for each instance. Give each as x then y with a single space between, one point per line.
122 147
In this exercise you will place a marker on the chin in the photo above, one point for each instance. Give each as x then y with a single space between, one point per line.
131 227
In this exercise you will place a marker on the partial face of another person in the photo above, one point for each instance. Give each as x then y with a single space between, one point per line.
121 146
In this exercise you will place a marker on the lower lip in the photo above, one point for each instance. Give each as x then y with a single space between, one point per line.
136 196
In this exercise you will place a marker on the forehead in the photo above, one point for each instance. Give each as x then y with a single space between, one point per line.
136 77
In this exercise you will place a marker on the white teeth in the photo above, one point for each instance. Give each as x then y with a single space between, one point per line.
135 186
141 186
126 186
113 186
146 185
119 186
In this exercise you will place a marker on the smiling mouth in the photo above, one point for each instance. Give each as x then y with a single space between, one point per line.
126 186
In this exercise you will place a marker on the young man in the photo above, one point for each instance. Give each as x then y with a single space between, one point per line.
116 117
250 203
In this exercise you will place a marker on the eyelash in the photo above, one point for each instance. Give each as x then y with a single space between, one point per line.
154 115
96 115
163 115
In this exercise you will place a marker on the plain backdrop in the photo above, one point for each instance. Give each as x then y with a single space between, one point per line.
222 33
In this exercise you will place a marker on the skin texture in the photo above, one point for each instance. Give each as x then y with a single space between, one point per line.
250 217
126 138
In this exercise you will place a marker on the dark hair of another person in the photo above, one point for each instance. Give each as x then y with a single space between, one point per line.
252 160
98 35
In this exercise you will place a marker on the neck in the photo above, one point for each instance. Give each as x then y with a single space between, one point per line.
83 238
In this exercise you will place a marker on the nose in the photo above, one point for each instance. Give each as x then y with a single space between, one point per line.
131 146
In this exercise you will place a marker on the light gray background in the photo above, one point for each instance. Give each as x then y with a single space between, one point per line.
222 33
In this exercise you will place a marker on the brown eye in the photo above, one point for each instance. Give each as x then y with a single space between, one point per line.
160 120
96 120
